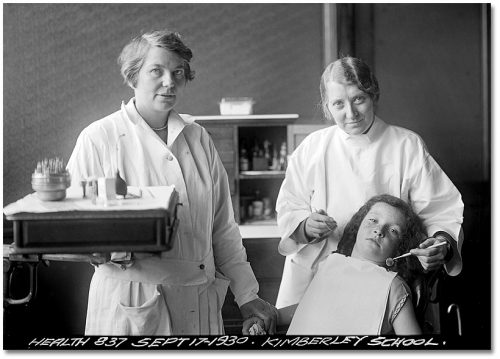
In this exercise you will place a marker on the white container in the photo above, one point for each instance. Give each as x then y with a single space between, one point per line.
236 106
106 189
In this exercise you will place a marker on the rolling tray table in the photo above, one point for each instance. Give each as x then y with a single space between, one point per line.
86 236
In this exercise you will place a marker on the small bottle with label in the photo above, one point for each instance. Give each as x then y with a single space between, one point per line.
283 157
275 162
244 161
267 154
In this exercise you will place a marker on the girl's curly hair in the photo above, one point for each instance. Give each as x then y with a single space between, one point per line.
411 237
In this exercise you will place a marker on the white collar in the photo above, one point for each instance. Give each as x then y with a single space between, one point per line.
176 122
366 138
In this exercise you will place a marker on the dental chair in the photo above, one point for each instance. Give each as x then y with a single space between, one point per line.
430 307
435 312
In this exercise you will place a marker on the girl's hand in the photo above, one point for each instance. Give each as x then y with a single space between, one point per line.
253 326
319 225
431 258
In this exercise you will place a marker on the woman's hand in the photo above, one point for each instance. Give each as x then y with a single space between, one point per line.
253 326
319 225
431 258
261 309
97 259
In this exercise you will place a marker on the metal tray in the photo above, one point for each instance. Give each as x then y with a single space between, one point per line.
99 231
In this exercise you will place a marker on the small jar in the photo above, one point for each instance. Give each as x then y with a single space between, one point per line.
258 208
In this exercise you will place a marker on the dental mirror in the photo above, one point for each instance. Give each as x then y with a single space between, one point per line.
390 261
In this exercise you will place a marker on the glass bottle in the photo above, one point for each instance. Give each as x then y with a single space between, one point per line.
244 161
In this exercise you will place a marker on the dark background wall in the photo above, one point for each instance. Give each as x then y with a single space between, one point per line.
60 74
429 61
60 70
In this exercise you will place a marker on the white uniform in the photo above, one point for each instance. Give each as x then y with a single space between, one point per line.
183 290
337 172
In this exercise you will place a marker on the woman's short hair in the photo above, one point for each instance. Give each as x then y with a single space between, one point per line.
352 71
410 238
134 53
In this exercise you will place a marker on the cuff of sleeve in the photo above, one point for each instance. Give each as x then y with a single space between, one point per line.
454 265
288 224
245 299
300 235
243 283
449 239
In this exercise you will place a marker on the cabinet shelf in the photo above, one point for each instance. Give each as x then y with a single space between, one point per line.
230 135
262 174
261 222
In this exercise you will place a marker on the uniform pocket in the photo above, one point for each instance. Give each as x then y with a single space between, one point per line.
221 283
142 311
216 293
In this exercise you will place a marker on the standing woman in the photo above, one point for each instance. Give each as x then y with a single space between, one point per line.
180 291
334 171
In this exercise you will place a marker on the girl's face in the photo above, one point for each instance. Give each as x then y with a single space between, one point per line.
379 233
351 108
160 83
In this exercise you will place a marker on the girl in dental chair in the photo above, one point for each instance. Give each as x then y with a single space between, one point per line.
354 292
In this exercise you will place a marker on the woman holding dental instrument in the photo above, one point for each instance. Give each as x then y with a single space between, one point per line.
334 171
181 291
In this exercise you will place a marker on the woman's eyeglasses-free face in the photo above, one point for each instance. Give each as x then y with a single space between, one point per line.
351 108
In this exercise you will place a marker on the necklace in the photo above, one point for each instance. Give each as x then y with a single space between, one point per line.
160 128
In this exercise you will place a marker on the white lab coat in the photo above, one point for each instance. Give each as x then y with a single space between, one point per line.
181 292
337 172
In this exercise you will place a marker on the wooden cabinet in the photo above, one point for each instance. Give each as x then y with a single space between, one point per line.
297 133
256 178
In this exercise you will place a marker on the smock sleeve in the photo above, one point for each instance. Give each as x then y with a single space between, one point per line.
439 203
230 255
86 160
293 202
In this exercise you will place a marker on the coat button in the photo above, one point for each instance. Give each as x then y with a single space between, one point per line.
202 266
170 157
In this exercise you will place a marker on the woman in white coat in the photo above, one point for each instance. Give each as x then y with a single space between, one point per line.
334 171
180 292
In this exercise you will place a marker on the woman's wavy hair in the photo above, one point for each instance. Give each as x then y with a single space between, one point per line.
134 53
411 237
348 70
